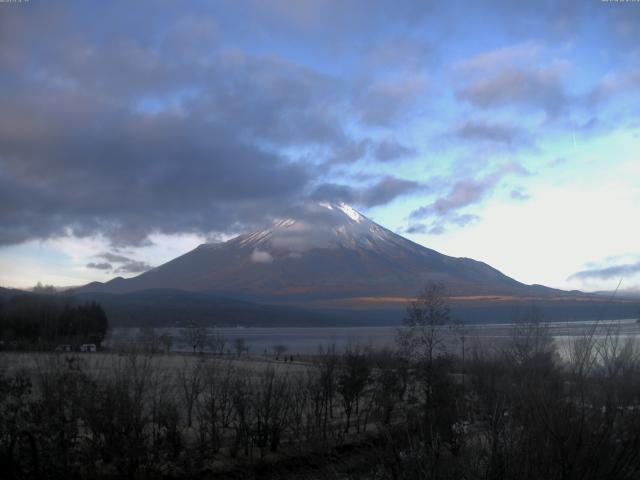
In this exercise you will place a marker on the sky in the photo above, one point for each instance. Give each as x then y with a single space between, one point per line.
507 132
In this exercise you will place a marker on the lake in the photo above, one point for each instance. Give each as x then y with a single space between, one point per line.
307 340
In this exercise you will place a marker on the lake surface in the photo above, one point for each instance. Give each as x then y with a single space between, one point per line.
308 340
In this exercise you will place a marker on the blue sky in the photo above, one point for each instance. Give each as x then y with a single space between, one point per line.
503 131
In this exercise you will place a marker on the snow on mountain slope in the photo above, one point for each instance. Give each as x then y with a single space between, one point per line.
324 225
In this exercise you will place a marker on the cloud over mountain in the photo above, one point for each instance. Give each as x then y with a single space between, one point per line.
190 135
605 273
122 264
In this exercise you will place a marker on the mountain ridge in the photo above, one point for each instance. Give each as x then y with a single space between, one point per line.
323 250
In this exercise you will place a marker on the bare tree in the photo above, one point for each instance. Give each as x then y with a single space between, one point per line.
166 341
300 403
148 339
427 315
327 369
271 409
217 342
240 346
195 336
215 407
243 405
391 379
117 415
190 377
423 338
279 350
352 380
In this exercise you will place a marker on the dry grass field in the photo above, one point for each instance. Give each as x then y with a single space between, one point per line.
524 410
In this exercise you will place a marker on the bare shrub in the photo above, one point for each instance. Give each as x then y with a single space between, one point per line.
195 336
352 381
272 401
191 384
215 408
217 342
18 451
117 418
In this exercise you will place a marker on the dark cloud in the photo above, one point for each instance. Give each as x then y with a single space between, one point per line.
465 192
386 190
389 150
133 175
546 19
523 77
462 193
85 161
113 257
387 101
133 267
607 273
624 21
408 53
123 264
514 77
445 210
383 191
327 24
330 192
392 81
439 226
477 130
385 150
99 266
535 87
416 228
613 85
351 152
150 122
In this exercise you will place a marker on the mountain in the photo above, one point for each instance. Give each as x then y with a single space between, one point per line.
10 292
162 307
321 251
631 293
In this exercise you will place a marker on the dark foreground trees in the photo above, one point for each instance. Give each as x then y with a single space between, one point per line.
44 321
525 409
521 414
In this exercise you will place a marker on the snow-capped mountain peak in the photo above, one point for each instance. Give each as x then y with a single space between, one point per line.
348 210
320 250
320 225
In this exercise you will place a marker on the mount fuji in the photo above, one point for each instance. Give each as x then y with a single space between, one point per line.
321 251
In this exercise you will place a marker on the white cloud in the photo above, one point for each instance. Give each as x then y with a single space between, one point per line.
260 256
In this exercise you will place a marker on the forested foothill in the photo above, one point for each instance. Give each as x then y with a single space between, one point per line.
45 321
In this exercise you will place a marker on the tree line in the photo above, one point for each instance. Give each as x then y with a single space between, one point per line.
44 321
